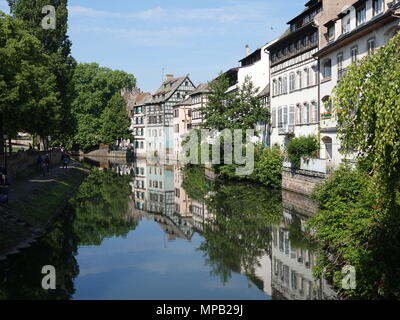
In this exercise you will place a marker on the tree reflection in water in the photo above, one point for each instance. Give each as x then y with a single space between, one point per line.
98 211
101 207
240 233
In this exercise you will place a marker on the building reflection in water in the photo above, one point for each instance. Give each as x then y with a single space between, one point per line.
283 273
245 229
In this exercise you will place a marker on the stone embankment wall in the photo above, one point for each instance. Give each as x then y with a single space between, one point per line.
299 203
301 181
24 164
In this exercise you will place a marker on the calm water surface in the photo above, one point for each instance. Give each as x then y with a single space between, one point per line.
142 231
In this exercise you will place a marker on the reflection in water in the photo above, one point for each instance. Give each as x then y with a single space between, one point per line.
21 277
223 240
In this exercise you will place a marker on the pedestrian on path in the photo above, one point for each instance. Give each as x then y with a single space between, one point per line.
47 162
65 160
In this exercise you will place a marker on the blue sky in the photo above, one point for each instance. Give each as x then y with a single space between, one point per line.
199 38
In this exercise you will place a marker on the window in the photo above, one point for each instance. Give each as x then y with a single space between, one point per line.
314 107
346 24
305 41
361 15
291 115
285 85
306 113
315 71
314 37
298 45
273 115
274 90
340 65
327 72
299 80
308 77
280 86
292 82
378 6
280 117
331 33
371 45
299 114
354 54
285 116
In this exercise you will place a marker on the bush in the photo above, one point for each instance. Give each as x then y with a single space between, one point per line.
355 229
301 147
267 168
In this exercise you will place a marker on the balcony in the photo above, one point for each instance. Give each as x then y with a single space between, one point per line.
286 129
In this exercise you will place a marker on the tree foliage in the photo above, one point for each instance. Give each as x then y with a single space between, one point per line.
57 46
98 109
29 100
367 105
101 207
240 109
355 229
240 234
301 147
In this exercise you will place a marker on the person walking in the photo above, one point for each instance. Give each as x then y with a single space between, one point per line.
47 162
65 160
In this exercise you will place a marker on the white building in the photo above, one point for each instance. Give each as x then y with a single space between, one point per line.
159 115
138 125
256 66
294 78
358 30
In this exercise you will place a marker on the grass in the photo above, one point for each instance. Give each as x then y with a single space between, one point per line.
38 207
42 203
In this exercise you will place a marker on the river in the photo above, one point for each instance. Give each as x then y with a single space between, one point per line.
141 231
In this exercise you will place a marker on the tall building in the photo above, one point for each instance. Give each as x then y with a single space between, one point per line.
256 66
294 78
138 124
356 31
159 115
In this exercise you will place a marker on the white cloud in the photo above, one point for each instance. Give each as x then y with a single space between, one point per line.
158 37
89 12
232 13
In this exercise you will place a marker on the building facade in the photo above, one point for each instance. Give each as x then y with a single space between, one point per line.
255 66
356 31
159 115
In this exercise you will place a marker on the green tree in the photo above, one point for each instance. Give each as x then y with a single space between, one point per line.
240 109
57 46
367 104
29 100
96 99
114 121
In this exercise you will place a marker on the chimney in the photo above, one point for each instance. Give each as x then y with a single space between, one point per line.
247 50
169 77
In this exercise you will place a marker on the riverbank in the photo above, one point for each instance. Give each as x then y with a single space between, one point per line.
34 203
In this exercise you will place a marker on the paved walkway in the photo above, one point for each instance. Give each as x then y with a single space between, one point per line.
23 187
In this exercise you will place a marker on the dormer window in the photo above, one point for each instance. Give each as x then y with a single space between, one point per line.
331 33
346 24
361 15
378 6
